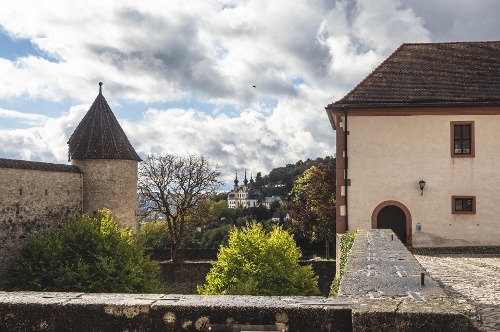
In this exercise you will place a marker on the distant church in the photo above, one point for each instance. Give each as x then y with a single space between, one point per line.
247 196
36 196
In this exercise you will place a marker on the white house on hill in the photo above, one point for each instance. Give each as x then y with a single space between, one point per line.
417 146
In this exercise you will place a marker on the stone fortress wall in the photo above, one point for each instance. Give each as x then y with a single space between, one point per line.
34 197
110 183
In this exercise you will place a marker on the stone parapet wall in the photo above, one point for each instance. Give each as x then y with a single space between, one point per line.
184 254
386 280
369 302
472 250
168 313
34 201
182 278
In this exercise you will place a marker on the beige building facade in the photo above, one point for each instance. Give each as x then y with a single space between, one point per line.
423 162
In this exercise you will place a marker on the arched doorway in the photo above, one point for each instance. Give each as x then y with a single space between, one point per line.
393 215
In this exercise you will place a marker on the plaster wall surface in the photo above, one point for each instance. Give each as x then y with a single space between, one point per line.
34 201
389 155
112 184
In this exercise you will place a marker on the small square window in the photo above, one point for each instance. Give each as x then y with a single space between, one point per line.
463 205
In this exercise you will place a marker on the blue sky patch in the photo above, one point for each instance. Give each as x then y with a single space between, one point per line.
12 49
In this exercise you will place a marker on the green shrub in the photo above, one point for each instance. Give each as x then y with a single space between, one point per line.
346 242
88 254
260 263
154 235
213 238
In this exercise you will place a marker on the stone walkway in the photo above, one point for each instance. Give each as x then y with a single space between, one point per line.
476 277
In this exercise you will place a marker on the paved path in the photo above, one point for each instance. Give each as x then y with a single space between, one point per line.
477 277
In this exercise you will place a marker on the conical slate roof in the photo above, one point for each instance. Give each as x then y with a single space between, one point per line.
100 136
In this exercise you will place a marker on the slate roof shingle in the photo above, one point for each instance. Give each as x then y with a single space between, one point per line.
461 73
37 166
100 136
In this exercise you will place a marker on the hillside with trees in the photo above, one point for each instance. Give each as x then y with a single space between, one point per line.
209 223
280 180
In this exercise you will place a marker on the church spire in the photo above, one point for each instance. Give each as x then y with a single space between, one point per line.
245 181
236 179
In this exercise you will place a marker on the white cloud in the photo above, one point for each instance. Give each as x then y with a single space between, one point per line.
27 118
300 55
384 25
45 142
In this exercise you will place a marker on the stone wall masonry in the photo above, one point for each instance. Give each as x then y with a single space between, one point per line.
112 184
184 254
386 280
34 201
368 302
170 313
182 278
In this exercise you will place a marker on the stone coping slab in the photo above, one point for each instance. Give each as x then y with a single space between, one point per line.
386 280
28 311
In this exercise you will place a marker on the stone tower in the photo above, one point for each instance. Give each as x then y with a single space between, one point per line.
102 151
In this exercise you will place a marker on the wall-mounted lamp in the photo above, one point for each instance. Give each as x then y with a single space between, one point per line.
421 183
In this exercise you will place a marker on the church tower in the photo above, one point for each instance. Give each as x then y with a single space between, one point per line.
102 151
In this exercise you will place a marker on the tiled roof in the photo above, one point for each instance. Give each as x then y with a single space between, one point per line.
462 73
37 166
100 136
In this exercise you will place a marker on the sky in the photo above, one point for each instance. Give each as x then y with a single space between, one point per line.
244 83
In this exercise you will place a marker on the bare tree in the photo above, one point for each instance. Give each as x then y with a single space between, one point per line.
172 187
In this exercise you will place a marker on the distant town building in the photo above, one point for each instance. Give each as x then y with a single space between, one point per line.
280 216
246 196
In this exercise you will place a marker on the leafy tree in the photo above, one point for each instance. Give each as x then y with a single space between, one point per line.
172 188
280 180
222 196
213 238
275 205
260 263
220 209
259 181
312 209
153 235
88 254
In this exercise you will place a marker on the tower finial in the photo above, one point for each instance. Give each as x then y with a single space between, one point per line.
245 181
236 179
100 88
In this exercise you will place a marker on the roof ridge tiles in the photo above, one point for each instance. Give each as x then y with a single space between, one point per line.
440 73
